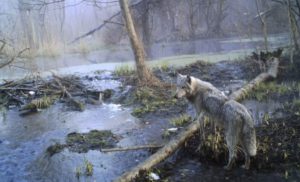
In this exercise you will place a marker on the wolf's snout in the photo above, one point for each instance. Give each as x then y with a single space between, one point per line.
175 96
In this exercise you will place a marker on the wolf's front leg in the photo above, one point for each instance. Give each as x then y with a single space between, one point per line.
200 118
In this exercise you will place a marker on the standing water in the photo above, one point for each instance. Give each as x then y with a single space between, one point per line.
24 141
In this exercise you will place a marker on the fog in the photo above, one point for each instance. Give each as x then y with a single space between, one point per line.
56 29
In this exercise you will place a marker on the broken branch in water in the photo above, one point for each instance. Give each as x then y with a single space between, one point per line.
189 131
77 104
131 148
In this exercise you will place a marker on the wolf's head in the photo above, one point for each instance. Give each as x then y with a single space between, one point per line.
183 85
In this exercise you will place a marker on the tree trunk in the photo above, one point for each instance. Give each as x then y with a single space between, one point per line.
264 26
189 131
144 74
220 17
293 26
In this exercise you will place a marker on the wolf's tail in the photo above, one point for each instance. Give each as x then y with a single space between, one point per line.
249 136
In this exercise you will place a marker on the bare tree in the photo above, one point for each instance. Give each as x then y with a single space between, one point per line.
145 76
214 15
263 24
220 16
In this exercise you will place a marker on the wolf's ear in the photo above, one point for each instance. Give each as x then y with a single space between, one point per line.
188 79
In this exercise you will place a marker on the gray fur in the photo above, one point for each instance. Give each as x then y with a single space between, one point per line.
231 115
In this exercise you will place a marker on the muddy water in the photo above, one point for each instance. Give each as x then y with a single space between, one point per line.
24 140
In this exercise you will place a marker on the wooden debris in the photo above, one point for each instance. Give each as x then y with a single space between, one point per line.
77 104
37 93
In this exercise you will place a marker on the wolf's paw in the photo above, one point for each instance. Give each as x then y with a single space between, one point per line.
198 149
227 168
247 167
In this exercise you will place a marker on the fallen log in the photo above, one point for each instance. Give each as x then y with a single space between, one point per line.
118 149
189 131
270 74
163 153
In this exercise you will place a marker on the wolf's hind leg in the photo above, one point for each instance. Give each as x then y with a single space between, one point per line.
231 140
247 156
249 145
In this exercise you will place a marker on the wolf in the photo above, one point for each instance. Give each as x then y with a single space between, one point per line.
232 116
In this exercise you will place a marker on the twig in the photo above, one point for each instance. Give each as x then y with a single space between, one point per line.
131 148
116 23
3 45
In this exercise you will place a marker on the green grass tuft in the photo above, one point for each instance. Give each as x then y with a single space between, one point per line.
151 100
89 168
124 70
264 90
181 120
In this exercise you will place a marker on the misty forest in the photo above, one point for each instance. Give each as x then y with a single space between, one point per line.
149 90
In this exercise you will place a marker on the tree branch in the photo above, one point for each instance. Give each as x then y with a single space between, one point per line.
13 58
102 25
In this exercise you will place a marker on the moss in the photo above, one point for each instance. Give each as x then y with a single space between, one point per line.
181 120
266 90
151 100
296 105
107 93
95 139
54 149
79 105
